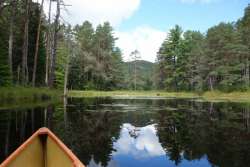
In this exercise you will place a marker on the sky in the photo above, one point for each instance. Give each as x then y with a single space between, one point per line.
144 24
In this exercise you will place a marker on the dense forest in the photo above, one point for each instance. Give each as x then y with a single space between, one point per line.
40 50
138 75
219 59
37 48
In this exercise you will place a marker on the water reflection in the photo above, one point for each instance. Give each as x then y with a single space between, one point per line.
138 142
140 146
138 132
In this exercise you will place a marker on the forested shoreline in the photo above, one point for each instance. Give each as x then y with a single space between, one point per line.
217 60
38 49
28 43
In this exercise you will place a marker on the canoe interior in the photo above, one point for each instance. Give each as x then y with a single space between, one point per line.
32 155
42 150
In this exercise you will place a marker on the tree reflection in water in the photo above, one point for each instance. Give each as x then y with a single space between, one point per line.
138 132
216 131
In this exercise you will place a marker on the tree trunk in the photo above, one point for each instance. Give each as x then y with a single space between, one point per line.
18 74
54 47
13 8
37 45
65 103
24 70
135 82
1 6
211 83
66 77
48 47
247 73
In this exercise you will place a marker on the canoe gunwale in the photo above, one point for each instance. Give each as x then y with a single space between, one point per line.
40 132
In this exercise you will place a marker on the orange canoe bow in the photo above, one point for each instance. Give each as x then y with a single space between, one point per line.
42 149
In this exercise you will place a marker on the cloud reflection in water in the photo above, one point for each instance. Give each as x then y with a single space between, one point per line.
140 146
138 142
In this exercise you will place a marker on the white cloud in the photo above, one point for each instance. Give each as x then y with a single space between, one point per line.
145 39
144 145
98 11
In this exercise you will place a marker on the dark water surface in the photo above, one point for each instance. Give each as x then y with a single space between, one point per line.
138 132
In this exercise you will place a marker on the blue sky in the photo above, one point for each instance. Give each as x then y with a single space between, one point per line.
143 24
190 14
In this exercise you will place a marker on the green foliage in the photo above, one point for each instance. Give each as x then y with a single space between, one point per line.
219 60
189 61
97 63
94 61
18 29
64 53
22 95
144 75
4 68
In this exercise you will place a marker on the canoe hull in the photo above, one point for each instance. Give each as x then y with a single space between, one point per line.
42 149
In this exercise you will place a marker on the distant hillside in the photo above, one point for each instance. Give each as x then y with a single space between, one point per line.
144 77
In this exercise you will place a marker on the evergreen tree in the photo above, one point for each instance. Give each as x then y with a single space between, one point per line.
194 65
218 60
244 30
171 52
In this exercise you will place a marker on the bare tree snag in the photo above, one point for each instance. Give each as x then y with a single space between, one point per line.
24 70
54 46
37 45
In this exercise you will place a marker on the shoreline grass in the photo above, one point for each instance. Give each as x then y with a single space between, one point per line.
9 95
231 97
214 96
76 93
21 95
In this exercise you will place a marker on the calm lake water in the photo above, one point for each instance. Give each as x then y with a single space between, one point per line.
105 132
